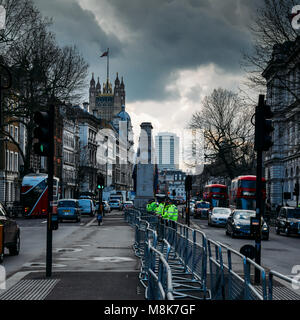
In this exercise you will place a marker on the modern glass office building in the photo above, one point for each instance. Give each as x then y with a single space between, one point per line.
167 150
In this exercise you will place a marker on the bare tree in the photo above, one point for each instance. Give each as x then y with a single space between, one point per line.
271 28
20 18
228 133
41 71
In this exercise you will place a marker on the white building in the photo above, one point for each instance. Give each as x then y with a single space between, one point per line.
70 153
167 150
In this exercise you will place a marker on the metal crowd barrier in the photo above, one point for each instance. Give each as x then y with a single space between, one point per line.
174 252
293 282
185 257
160 277
230 284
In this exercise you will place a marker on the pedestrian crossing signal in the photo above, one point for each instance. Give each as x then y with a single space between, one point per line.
42 133
100 181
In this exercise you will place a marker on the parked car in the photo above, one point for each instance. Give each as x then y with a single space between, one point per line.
11 233
87 207
106 207
68 209
127 205
288 221
218 216
115 204
192 207
202 209
238 224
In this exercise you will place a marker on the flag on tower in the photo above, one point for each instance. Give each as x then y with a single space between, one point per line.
104 54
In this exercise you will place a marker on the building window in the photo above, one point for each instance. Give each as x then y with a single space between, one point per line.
12 131
11 161
16 162
7 160
16 134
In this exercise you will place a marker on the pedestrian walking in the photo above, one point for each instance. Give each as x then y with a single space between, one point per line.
99 215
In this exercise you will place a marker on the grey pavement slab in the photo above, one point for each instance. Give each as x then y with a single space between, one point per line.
93 285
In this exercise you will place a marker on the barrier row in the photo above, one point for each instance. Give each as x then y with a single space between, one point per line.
179 262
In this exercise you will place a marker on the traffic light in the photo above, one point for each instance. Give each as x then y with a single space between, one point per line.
263 126
173 193
296 189
42 133
100 181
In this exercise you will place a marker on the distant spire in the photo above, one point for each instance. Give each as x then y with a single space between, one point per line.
117 81
92 82
122 83
98 86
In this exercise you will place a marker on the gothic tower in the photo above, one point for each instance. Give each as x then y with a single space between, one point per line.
92 98
108 103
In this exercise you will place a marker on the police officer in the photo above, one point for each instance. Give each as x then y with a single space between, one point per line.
173 214
160 209
165 214
153 205
148 207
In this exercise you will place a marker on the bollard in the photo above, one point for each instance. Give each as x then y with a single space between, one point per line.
1 242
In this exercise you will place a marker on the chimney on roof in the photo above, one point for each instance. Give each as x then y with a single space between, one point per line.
86 106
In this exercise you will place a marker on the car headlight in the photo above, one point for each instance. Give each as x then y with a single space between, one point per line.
265 226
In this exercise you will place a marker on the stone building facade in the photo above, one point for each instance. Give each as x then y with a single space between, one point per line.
282 161
107 102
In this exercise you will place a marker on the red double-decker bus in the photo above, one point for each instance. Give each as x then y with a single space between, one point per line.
216 195
34 194
243 192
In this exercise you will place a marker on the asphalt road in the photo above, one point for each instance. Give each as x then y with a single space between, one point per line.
33 241
279 253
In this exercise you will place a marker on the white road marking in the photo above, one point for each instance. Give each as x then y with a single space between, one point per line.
92 221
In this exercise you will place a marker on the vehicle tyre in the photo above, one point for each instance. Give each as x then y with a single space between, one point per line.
287 232
15 248
233 234
226 232
277 230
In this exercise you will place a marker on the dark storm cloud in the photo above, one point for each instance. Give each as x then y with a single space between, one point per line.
169 35
75 26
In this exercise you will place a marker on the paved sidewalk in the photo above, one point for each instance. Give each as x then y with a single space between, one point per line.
96 263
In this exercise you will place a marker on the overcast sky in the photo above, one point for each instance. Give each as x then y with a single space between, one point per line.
171 53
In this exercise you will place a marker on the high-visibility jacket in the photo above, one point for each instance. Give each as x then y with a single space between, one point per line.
148 207
153 206
172 212
160 209
165 214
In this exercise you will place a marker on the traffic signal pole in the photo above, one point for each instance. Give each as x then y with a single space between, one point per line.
263 142
258 214
50 191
